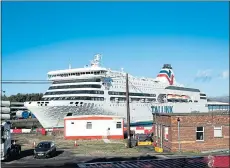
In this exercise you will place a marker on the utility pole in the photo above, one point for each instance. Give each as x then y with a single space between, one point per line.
128 112
155 136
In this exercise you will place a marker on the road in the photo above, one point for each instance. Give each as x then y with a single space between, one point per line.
63 159
66 159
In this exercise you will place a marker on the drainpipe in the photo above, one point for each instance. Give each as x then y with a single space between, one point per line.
178 126
161 136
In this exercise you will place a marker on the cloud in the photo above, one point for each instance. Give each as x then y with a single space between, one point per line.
224 74
203 76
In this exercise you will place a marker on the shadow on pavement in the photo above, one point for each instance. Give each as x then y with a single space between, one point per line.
59 152
116 159
25 153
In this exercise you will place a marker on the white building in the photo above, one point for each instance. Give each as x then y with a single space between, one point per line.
93 127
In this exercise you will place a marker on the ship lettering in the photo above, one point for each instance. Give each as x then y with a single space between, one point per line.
162 109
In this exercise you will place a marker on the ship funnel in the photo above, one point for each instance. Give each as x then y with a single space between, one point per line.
166 74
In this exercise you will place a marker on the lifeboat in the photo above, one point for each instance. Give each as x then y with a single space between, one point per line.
187 97
174 96
180 97
184 97
169 96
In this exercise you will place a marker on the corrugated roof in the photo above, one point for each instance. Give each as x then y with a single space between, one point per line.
93 116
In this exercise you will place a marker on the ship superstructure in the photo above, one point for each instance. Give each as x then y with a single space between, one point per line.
94 90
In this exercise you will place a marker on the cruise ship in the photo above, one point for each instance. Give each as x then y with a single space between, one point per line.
96 90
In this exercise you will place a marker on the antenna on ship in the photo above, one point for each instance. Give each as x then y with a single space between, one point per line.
96 61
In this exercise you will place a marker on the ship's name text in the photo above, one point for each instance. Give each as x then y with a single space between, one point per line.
162 109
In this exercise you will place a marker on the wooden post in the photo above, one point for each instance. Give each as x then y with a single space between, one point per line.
128 112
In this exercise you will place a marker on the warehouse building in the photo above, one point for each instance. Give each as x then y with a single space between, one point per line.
192 132
93 127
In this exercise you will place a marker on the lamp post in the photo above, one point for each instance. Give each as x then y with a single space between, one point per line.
3 91
3 94
178 126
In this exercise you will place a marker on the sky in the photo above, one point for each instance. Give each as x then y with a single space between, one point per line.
140 37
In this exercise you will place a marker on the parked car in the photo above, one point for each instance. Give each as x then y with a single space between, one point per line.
45 149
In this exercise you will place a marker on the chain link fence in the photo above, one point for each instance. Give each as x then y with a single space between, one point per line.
193 162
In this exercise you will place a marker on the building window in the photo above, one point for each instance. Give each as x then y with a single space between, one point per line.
218 131
166 132
89 125
118 124
199 133
72 122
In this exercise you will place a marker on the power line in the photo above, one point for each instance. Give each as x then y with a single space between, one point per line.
23 80
26 82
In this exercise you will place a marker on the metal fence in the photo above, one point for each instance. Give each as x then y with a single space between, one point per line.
195 162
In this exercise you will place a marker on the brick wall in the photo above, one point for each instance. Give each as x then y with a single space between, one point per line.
188 126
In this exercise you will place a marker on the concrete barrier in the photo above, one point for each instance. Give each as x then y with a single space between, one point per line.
16 131
26 130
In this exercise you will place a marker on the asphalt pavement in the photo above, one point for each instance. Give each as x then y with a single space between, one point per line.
63 158
67 159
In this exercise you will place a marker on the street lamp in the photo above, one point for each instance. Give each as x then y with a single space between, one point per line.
3 91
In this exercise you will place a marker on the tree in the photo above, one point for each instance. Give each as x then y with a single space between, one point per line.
23 97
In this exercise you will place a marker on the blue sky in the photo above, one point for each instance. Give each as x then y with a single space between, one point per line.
192 36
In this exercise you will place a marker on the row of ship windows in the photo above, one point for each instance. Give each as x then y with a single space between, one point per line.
74 86
98 92
99 80
77 81
78 74
74 98
181 100
134 83
203 98
182 89
132 99
202 94
94 86
110 92
75 92
218 107
113 99
132 94
122 99
114 105
169 87
133 88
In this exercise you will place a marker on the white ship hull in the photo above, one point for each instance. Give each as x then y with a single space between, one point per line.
99 91
53 114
